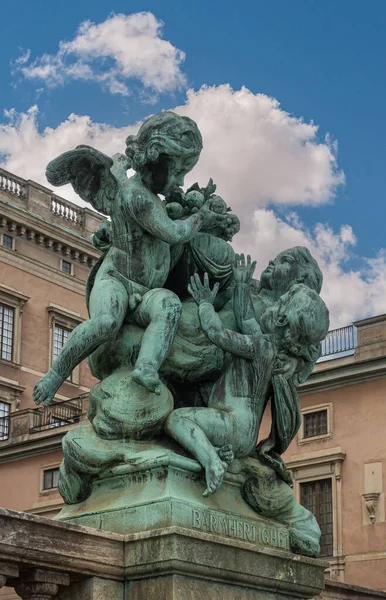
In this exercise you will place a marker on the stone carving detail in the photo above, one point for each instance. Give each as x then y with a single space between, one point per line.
371 502
185 342
36 590
39 584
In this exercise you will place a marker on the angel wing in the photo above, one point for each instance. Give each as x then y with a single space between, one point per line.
88 171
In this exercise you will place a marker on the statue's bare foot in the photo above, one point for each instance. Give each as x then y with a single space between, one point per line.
46 388
145 374
214 475
226 454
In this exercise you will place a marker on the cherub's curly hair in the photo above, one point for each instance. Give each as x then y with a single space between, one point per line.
164 133
310 273
308 321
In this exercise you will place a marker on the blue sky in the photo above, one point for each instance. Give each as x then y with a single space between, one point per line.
323 61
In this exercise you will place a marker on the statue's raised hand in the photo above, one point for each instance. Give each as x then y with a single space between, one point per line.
243 272
201 292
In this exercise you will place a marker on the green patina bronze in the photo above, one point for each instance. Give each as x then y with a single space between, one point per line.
189 350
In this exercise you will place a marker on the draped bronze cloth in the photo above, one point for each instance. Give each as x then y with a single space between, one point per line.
286 420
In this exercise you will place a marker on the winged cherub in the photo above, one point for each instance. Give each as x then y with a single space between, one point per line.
130 277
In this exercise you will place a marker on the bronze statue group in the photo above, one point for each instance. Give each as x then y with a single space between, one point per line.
174 311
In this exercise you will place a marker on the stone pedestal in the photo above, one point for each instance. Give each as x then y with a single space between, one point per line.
169 563
160 488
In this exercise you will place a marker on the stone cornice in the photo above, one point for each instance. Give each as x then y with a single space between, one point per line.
370 321
81 550
36 447
58 239
319 457
348 374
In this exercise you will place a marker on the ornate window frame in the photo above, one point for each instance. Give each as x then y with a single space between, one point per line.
324 464
15 300
62 317
315 438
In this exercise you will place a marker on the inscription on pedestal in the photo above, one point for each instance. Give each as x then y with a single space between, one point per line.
238 528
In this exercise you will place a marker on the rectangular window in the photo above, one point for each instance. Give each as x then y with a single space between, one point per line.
316 496
7 241
50 478
60 336
315 423
66 267
6 331
5 410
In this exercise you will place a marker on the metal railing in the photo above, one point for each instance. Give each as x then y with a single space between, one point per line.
58 414
340 340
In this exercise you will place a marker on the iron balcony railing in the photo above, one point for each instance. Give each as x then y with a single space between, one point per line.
340 340
58 414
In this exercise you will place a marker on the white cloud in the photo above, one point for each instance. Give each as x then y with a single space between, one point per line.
256 153
123 48
23 58
349 294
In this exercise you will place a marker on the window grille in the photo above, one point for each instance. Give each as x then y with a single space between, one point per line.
60 336
5 410
7 314
316 496
7 241
50 478
315 423
66 267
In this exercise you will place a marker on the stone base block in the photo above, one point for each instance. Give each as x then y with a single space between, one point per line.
170 563
165 490
177 587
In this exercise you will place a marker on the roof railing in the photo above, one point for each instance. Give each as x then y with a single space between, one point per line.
343 339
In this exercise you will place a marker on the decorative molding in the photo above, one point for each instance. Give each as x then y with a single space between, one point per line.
35 447
347 374
320 457
60 311
371 502
55 237
323 464
309 410
16 300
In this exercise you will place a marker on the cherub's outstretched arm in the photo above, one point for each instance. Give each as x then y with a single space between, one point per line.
227 340
153 218
242 300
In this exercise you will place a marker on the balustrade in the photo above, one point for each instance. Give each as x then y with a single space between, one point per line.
12 184
66 210
339 340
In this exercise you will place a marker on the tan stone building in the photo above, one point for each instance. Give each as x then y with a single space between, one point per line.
338 458
45 259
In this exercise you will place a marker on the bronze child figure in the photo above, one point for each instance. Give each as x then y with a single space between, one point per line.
131 276
291 327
